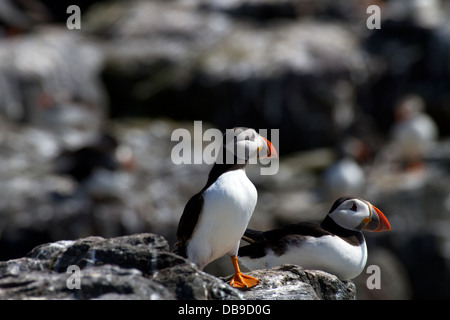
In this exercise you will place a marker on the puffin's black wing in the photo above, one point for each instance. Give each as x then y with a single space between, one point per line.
278 239
299 229
251 236
188 221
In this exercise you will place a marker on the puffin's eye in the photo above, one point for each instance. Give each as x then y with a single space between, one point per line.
354 207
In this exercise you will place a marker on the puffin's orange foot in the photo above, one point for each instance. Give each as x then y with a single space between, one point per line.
242 281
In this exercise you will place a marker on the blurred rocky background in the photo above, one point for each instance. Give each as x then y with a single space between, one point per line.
86 117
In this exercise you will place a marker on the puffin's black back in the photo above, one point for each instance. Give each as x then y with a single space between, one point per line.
278 239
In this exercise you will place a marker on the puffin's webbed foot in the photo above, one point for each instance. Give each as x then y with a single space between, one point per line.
240 280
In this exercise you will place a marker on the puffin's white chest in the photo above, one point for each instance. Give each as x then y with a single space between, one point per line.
228 206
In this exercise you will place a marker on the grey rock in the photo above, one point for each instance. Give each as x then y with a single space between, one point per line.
138 251
290 282
15 267
190 283
129 267
141 267
104 282
112 282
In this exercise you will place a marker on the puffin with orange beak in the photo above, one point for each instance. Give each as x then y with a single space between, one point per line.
336 245
215 219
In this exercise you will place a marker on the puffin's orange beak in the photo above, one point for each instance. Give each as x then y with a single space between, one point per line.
271 152
378 222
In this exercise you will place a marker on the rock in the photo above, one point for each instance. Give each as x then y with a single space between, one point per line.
187 282
140 267
290 282
129 267
104 282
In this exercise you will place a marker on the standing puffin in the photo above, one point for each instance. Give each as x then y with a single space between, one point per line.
413 132
336 245
215 219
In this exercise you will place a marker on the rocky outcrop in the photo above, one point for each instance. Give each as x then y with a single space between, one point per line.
142 267
290 282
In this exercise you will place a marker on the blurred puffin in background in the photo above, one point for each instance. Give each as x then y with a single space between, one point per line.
345 175
336 245
413 132
104 152
96 167
215 219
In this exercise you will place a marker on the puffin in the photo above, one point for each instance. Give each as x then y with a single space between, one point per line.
346 175
215 219
336 245
413 132
104 153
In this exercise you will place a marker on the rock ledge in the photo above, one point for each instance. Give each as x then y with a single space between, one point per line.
141 266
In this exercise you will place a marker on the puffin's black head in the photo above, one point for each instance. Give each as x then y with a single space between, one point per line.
356 214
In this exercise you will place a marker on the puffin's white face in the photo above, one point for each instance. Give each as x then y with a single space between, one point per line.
357 214
246 143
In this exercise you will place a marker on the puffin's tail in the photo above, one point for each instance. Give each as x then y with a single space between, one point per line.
252 236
